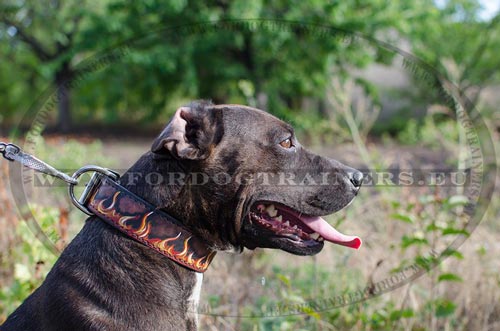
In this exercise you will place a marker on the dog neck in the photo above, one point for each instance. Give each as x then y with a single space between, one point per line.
124 281
118 270
136 181
195 206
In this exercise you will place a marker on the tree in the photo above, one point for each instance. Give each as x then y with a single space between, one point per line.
277 67
461 45
48 30
274 67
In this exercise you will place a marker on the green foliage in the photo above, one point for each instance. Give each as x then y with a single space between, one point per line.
449 277
281 62
457 33
71 154
456 42
31 260
445 308
410 135
429 133
240 62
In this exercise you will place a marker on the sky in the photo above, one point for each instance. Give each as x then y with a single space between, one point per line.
491 7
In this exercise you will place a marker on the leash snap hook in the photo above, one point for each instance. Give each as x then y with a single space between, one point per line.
13 153
96 178
9 151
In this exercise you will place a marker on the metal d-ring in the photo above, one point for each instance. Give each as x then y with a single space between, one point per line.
99 172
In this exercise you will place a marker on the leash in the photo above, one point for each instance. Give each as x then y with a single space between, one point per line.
138 219
13 153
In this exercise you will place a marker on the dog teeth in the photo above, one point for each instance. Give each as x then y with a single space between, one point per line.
286 223
320 239
272 211
295 227
314 235
279 218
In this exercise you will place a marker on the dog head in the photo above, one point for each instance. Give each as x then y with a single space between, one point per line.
248 182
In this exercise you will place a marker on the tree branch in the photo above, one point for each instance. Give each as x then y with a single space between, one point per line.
37 47
478 54
63 47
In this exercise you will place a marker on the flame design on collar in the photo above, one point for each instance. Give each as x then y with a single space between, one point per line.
148 224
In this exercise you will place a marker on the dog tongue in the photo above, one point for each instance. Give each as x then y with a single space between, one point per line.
326 231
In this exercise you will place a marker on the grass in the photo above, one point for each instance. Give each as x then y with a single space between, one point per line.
398 226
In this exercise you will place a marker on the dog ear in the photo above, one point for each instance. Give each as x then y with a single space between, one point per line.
190 134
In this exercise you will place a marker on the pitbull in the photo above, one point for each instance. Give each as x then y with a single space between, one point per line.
105 280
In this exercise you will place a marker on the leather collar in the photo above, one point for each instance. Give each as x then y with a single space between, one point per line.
148 225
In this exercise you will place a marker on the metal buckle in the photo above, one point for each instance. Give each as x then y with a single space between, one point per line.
99 173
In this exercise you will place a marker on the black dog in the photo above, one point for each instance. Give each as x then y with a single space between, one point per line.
272 195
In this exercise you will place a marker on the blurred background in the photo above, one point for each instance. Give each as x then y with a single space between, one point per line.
94 82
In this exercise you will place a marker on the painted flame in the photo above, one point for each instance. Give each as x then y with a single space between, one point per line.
185 250
203 262
108 211
144 227
190 259
124 219
166 246
145 233
163 244
185 257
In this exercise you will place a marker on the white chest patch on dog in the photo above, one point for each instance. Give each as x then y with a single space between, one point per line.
194 298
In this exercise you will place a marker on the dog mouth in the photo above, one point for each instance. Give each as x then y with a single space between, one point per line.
304 230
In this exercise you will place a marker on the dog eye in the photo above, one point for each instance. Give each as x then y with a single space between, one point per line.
287 143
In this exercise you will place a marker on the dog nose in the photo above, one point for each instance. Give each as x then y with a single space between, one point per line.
356 178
